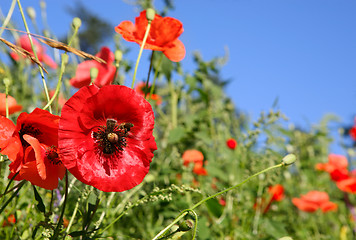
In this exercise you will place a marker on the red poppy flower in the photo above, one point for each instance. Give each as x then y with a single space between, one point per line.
353 133
105 137
13 106
231 143
145 92
199 169
314 200
222 202
277 192
41 166
336 167
106 70
25 43
163 35
192 155
9 221
39 124
347 185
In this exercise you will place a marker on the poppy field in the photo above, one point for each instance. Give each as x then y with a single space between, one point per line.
90 151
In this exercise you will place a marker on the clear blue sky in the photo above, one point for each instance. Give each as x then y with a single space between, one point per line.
302 52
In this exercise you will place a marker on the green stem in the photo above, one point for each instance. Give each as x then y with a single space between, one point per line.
59 83
149 73
185 212
60 220
9 200
140 53
155 77
174 102
8 17
6 100
34 52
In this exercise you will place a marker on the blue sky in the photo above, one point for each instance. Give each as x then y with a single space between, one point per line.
302 52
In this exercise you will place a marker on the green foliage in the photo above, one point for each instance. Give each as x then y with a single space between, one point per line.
195 114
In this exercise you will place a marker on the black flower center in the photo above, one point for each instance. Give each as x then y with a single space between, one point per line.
53 156
111 138
29 130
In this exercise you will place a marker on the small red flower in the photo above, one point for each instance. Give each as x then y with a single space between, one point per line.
13 106
336 167
347 185
199 169
163 35
193 156
277 192
222 202
231 143
314 200
106 71
39 124
9 221
145 92
25 43
105 137
353 133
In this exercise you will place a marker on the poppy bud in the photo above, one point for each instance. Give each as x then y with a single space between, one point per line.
93 73
76 23
31 12
43 4
186 225
65 58
150 14
7 82
118 55
289 159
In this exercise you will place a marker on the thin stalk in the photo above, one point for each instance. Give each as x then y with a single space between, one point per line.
34 52
174 102
140 53
6 100
185 212
155 77
149 73
8 17
60 220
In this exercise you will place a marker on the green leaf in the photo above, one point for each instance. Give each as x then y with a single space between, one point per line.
40 206
77 233
176 135
214 207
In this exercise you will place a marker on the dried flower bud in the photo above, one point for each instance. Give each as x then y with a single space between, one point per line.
76 23
186 225
150 14
289 159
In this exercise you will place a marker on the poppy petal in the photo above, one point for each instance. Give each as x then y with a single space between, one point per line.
175 53
39 155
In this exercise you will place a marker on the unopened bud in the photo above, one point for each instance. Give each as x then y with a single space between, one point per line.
42 4
150 14
93 73
76 23
289 159
65 58
7 82
31 12
118 55
186 225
